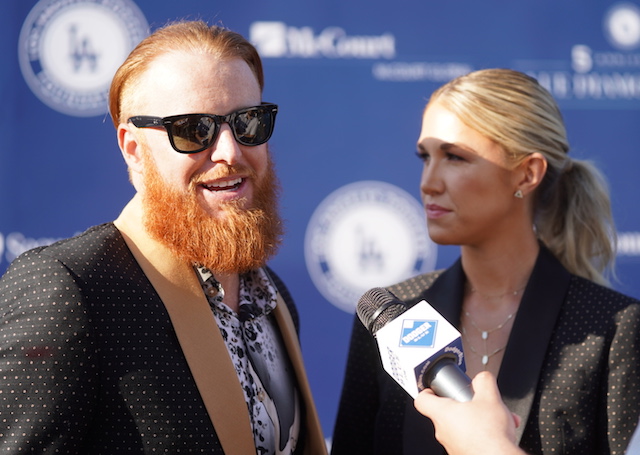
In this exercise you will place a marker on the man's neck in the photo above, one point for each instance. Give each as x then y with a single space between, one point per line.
231 285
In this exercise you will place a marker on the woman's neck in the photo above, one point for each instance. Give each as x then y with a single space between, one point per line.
499 270
496 278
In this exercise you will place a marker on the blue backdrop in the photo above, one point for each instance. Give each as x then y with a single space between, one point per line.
351 78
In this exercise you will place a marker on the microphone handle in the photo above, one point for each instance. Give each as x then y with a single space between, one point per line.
446 379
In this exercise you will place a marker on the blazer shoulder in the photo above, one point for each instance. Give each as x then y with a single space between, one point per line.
93 249
587 292
65 264
410 290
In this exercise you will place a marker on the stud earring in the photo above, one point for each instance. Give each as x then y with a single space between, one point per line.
518 194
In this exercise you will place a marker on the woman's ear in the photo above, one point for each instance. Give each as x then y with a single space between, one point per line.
532 171
130 147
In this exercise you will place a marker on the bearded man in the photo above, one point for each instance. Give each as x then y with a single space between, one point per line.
164 331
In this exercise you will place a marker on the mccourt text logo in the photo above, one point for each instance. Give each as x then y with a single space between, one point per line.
278 40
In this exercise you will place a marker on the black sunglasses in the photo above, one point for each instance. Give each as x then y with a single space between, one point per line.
193 133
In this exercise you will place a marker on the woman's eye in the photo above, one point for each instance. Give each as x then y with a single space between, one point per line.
422 156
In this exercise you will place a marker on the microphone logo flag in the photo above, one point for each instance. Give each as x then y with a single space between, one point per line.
414 341
418 333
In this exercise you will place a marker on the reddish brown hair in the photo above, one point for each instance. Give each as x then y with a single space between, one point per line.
193 36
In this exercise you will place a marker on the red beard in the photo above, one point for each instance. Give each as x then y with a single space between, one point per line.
244 239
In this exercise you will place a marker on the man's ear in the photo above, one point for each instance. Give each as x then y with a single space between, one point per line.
532 171
130 147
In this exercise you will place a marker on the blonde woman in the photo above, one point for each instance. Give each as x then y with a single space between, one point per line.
530 291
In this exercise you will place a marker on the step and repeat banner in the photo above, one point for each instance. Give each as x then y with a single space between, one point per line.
351 78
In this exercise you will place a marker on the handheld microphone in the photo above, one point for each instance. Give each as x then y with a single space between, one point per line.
418 347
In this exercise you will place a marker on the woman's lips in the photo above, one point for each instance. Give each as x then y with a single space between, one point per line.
435 211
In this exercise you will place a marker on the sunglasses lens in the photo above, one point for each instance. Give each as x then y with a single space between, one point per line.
254 126
193 133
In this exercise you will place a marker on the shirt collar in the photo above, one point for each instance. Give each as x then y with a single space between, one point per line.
257 292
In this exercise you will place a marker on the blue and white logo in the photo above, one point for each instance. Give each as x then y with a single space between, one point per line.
418 333
279 40
69 51
363 235
622 26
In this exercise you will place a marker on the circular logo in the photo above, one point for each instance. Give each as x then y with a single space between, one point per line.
69 51
622 26
363 235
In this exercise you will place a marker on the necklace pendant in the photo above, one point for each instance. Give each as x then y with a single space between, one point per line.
485 334
485 359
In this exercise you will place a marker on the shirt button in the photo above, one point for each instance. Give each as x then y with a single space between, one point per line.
212 292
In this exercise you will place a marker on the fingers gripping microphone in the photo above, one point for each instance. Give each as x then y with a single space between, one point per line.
419 348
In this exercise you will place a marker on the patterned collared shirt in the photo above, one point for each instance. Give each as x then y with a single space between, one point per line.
260 359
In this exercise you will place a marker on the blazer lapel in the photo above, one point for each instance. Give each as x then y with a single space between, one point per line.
314 443
442 290
445 295
532 329
197 331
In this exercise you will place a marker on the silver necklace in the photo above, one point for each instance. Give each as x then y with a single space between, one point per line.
484 334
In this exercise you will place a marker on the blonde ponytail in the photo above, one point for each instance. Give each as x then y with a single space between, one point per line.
574 220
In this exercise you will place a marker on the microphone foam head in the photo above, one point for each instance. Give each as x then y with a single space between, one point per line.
377 307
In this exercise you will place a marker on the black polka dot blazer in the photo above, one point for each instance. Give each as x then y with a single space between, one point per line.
571 370
90 363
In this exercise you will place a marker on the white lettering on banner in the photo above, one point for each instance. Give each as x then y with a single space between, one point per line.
590 86
609 78
629 244
419 71
581 58
607 86
584 59
617 59
68 97
278 40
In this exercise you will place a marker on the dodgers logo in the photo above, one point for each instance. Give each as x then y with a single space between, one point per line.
69 51
418 333
363 235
